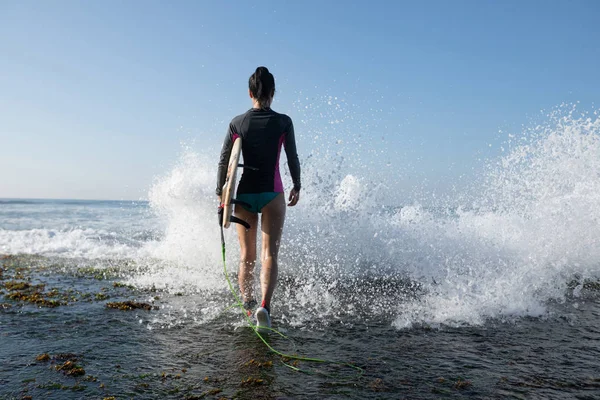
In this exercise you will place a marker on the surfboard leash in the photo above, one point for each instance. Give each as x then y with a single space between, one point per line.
284 356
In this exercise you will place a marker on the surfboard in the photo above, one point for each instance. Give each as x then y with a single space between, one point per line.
230 182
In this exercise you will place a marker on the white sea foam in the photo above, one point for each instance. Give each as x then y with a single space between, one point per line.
77 229
70 243
529 226
185 198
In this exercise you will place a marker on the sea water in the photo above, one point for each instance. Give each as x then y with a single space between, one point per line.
490 292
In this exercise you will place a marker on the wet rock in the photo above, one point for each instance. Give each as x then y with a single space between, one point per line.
255 363
378 385
250 381
122 285
130 305
16 285
460 384
34 298
66 356
101 296
69 368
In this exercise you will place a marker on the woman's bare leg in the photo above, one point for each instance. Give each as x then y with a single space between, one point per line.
247 238
273 217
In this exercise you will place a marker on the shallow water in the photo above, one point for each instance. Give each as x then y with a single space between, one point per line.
139 354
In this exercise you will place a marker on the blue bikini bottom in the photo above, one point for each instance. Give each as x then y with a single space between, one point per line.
256 200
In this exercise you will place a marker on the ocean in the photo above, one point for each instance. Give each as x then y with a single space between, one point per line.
489 293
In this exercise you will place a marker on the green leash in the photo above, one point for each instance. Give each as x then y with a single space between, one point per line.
282 355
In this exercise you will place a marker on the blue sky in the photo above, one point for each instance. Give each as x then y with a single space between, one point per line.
97 97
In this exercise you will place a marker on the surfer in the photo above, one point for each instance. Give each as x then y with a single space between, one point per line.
263 132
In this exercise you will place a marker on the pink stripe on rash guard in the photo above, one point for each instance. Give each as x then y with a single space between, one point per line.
235 136
278 185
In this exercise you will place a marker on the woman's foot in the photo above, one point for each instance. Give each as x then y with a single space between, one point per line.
249 306
263 320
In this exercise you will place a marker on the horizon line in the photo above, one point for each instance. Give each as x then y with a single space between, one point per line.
70 199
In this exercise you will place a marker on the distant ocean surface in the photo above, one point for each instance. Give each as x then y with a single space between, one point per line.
492 293
76 228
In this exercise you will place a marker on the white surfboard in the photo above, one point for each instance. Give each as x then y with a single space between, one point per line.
230 182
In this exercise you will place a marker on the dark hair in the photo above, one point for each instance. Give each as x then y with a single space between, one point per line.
262 85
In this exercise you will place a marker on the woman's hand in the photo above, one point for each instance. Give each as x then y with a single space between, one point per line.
294 197
220 211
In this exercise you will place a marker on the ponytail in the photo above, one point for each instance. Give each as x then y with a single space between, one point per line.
262 85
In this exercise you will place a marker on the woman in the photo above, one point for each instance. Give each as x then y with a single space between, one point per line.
264 132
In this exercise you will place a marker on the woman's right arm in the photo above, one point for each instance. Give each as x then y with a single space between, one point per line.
293 163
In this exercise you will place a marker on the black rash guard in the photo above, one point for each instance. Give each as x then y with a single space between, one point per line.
263 131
